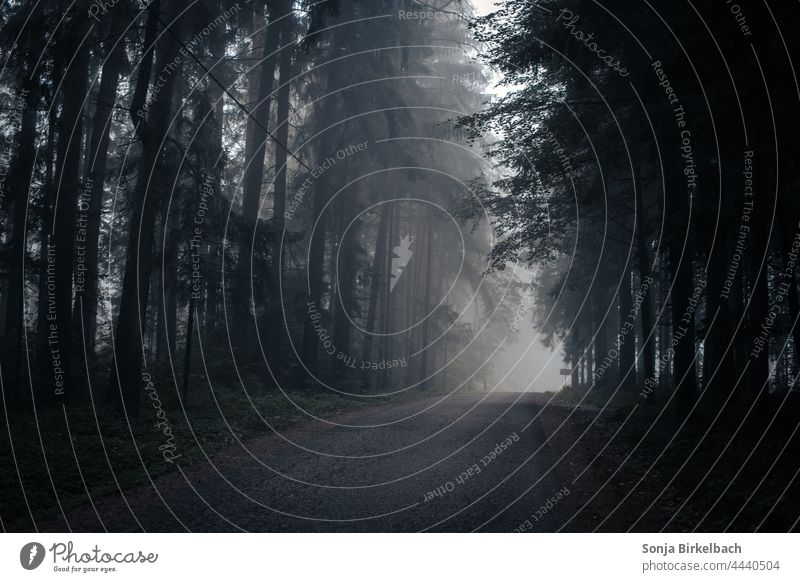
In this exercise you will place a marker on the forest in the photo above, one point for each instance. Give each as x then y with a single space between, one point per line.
257 256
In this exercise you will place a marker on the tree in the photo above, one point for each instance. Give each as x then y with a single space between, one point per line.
86 296
68 187
152 125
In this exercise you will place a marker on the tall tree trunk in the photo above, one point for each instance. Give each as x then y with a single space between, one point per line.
187 355
377 275
346 269
18 183
574 362
758 374
46 219
718 352
316 261
643 256
599 323
261 81
683 327
589 354
667 361
128 340
167 290
43 357
627 334
788 233
215 93
279 196
68 164
86 296
386 318
427 300
412 275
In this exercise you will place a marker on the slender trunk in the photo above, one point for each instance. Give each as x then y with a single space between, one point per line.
139 99
128 348
167 291
86 297
683 328
158 339
18 182
445 362
718 354
601 336
46 222
789 237
741 344
68 164
187 357
347 301
261 81
627 337
758 375
427 300
582 366
589 363
376 276
664 333
279 200
216 100
316 260
647 339
387 296
411 287
574 359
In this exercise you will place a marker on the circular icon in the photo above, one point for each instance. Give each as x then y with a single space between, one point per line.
31 555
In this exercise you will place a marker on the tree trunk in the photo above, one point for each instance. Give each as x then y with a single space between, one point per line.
18 183
758 374
683 329
645 281
347 269
216 100
86 296
427 300
68 164
187 356
387 298
590 364
376 277
128 340
279 198
316 261
789 278
627 335
599 323
261 81
167 291
574 359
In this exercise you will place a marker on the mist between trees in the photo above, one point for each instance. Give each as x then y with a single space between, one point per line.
183 181
310 154
666 191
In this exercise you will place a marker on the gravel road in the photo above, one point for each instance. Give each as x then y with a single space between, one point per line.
462 463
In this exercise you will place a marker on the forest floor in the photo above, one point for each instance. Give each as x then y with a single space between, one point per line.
474 461
54 458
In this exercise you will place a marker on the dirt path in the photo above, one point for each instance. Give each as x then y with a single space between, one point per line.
499 462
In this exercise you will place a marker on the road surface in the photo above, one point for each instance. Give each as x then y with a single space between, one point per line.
463 463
